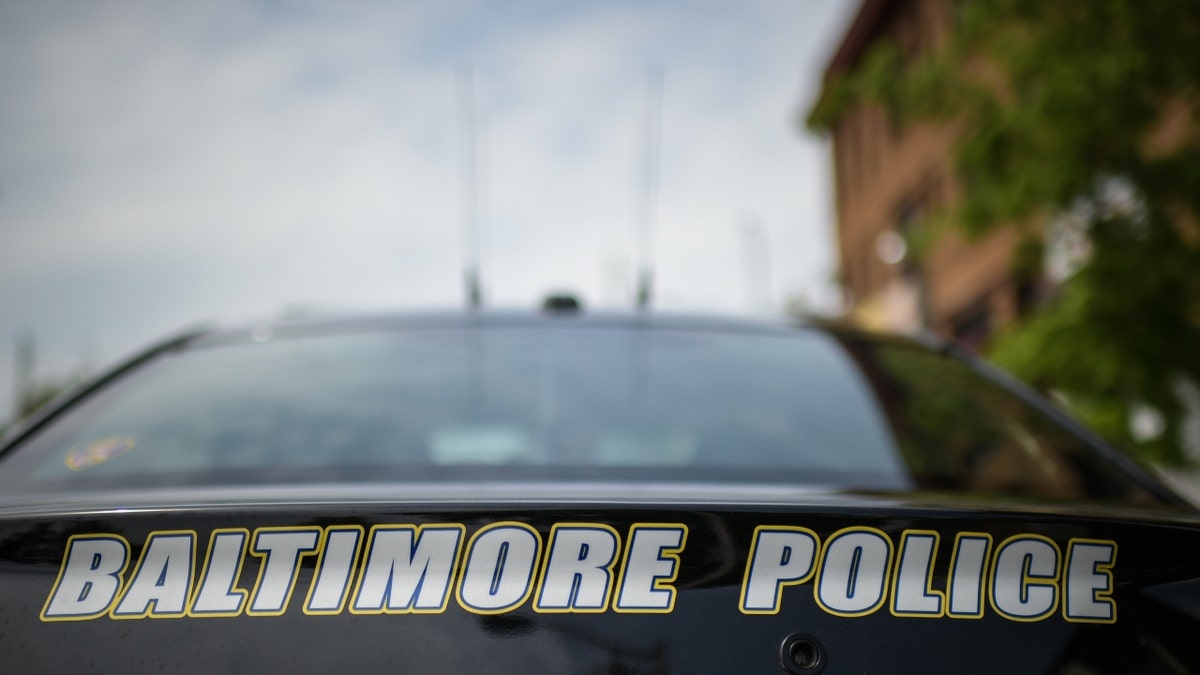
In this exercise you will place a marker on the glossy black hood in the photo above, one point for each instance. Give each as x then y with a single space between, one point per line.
824 583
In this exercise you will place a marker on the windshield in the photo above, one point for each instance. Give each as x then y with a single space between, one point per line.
563 403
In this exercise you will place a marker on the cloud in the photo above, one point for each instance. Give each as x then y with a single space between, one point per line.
168 162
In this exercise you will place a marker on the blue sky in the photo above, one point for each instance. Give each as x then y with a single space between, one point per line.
167 163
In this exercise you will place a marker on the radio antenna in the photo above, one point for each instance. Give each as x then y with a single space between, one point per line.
468 195
648 202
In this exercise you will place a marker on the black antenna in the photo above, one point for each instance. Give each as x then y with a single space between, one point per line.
648 204
25 357
468 195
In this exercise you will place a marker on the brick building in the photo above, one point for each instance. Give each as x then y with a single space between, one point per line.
886 179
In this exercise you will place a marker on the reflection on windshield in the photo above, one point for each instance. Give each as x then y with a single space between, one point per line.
958 432
521 403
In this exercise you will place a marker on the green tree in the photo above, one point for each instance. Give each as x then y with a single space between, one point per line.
1065 108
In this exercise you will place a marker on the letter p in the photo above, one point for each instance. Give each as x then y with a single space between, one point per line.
779 556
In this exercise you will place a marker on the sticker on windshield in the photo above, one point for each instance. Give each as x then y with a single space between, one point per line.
86 455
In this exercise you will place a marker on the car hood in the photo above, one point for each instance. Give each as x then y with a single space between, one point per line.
594 578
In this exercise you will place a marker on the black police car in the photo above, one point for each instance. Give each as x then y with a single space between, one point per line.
583 493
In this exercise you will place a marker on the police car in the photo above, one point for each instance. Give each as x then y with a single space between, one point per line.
579 492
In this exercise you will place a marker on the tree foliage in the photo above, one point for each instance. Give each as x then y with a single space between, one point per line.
1083 109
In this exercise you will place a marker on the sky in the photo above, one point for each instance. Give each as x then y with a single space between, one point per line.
164 164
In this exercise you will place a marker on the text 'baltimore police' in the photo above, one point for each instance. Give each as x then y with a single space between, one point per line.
577 568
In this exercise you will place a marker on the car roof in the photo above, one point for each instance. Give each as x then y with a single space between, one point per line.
605 318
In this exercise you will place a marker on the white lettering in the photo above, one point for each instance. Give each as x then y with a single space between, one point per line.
89 579
854 570
1025 578
281 550
216 595
968 569
408 569
498 574
335 568
162 582
913 594
577 575
779 557
1089 581
651 564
